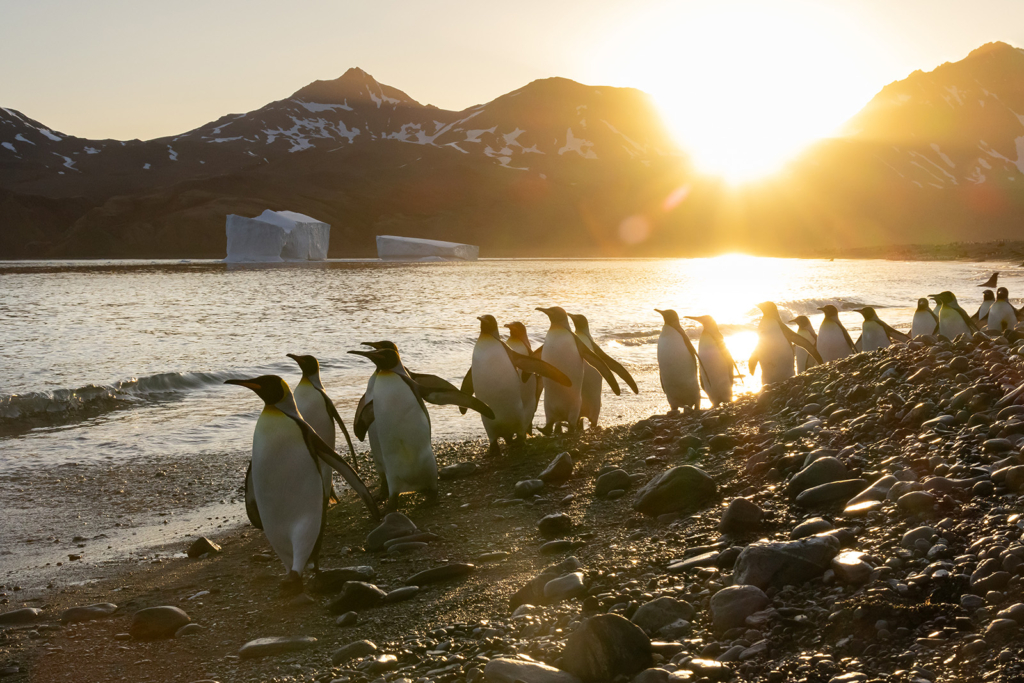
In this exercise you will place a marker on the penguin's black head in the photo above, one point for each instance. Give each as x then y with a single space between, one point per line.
308 364
270 388
769 309
518 330
384 359
802 322
829 310
557 316
945 298
381 345
670 316
868 313
488 325
1002 294
987 295
922 304
580 322
707 321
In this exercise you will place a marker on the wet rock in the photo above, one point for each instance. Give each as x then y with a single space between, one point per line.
660 612
355 596
528 488
997 446
520 671
347 619
1014 611
916 502
604 647
188 630
910 539
382 664
403 593
268 647
709 669
555 525
559 470
616 480
742 515
676 490
457 471
731 606
155 623
493 556
821 471
565 587
850 567
418 537
202 546
403 548
876 491
356 650
328 581
810 527
764 563
25 615
833 493
654 675
443 573
394 525
100 610
555 547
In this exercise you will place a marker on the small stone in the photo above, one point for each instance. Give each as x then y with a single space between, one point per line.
528 488
849 567
709 669
382 664
100 610
504 670
444 573
565 587
268 647
810 527
616 480
921 533
821 471
328 581
832 493
405 548
25 615
356 595
357 649
457 471
741 516
916 502
555 525
731 606
403 593
654 615
347 619
188 630
679 489
395 525
301 600
493 556
555 547
202 546
155 623
606 646
559 470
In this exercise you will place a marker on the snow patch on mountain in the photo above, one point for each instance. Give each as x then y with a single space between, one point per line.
574 144
315 107
9 146
21 138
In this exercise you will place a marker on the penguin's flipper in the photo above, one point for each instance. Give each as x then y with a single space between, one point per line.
966 318
467 387
936 319
752 362
432 382
802 342
319 448
616 367
857 346
849 340
537 367
251 510
454 397
363 418
333 412
894 334
599 365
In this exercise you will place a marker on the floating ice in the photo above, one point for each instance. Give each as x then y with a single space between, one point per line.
392 248
276 236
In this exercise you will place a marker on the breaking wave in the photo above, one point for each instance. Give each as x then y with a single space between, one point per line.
810 306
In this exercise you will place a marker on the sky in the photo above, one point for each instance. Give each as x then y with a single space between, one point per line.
743 84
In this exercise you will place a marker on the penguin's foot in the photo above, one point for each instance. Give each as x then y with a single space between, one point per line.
432 496
545 430
291 584
494 450
392 505
383 493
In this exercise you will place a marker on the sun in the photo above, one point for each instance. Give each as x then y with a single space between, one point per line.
746 85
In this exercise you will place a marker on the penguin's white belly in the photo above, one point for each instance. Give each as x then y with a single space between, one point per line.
561 403
774 353
873 337
678 370
802 356
527 389
496 382
404 434
951 323
715 369
986 308
288 488
1001 316
832 344
590 395
923 324
313 410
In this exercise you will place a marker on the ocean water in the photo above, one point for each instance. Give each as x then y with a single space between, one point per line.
109 361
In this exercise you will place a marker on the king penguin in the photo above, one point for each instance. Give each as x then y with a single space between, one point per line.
494 377
1002 316
876 333
715 363
531 386
318 410
677 364
925 320
805 330
988 298
590 400
953 320
834 340
286 481
774 350
567 352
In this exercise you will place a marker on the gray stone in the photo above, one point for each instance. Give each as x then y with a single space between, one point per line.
653 675
679 489
565 587
528 488
876 491
394 525
403 548
742 515
457 471
616 480
188 630
821 471
100 610
329 581
910 539
516 670
347 619
555 547
357 649
444 573
25 615
606 646
555 525
403 593
731 606
765 563
660 612
202 546
810 527
559 470
916 502
356 595
155 623
418 537
833 493
850 567
279 645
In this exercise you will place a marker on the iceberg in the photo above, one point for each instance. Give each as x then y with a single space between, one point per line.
393 248
276 236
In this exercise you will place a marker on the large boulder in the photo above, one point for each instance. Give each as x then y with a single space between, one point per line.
660 612
782 563
731 606
679 489
605 647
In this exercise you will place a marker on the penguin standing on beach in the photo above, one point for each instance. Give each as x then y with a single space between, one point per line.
531 386
805 330
774 350
925 320
590 400
1002 316
715 363
988 298
834 340
677 364
876 333
567 352
495 378
287 486
319 412
953 320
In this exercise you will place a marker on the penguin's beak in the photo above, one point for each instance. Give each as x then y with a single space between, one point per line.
821 308
248 383
365 354
793 322
508 325
293 357
480 318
